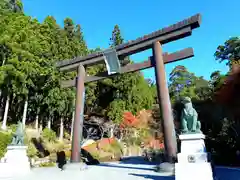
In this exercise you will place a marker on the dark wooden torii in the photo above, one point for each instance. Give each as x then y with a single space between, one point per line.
154 41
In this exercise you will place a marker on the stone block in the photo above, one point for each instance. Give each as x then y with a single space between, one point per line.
193 160
196 157
15 162
192 143
193 171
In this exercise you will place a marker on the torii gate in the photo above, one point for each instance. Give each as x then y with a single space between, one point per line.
111 57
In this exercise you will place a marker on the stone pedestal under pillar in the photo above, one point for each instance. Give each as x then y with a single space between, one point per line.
193 160
15 162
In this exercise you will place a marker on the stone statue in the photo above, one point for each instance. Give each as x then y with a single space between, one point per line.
18 136
189 118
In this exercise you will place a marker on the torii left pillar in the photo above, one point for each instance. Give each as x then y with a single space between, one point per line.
78 120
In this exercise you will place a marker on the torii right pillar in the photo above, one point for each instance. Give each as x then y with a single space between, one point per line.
168 128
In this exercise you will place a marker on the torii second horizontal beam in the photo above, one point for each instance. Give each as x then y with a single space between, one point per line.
168 58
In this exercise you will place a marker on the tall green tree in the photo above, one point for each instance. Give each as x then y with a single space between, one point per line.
29 51
181 82
22 63
116 38
15 6
185 83
229 51
217 80
131 91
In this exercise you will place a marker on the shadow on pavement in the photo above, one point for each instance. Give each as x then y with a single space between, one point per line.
136 160
88 158
124 167
224 173
154 177
129 162
38 143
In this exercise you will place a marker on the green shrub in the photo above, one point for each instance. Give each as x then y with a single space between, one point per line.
67 135
5 140
68 154
95 154
47 164
13 128
31 151
116 146
133 141
52 157
108 148
49 135
54 147
159 151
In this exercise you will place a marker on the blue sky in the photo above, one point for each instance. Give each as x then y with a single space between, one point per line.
220 21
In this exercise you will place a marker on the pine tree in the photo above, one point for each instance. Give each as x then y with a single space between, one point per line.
116 38
14 6
131 91
69 27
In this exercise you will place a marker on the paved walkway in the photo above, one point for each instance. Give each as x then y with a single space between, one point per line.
105 171
129 170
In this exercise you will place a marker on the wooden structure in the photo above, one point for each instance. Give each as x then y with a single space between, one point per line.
167 58
152 41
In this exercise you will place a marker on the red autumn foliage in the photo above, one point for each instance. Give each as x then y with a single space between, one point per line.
105 141
99 144
129 120
161 146
155 144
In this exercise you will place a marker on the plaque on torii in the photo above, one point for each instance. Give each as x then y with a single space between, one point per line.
111 58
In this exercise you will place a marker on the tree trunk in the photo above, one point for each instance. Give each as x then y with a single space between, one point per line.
49 123
112 132
41 127
121 137
61 129
4 124
36 122
25 113
72 125
135 134
1 90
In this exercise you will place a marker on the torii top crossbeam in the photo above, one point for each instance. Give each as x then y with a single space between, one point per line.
171 33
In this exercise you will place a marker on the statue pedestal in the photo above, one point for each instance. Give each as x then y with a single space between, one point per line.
15 162
192 160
